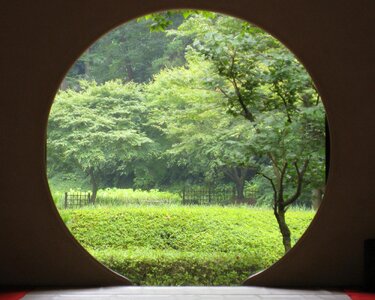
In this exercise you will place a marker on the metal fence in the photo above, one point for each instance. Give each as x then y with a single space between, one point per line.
206 195
191 195
77 199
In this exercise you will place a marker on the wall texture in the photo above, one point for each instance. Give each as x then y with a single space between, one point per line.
40 40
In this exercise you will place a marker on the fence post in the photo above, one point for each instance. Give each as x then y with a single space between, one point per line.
66 200
89 198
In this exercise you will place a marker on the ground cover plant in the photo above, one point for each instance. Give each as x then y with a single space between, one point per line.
183 245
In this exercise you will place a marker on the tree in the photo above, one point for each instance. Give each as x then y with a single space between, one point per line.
98 130
262 82
203 137
130 53
241 102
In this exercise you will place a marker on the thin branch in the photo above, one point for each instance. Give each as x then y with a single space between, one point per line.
281 187
317 99
300 174
233 57
285 105
317 93
246 113
229 174
235 172
274 161
274 190
223 92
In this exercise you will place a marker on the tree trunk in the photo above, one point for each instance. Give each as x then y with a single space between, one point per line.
129 72
240 197
94 186
317 197
284 229
64 84
88 64
238 176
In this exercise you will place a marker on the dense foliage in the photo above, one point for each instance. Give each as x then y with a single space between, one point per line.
164 268
183 245
186 109
202 98
129 53
98 130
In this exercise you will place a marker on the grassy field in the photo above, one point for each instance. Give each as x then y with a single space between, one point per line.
121 197
183 245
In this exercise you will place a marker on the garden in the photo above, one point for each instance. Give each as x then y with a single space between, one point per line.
187 148
183 245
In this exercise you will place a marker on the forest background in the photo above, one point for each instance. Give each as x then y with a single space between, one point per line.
211 99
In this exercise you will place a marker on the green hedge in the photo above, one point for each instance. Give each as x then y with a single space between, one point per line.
156 267
183 245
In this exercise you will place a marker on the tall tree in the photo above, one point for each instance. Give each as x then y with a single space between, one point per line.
203 137
262 82
98 130
242 100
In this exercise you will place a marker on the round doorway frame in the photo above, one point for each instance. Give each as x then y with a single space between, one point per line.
40 250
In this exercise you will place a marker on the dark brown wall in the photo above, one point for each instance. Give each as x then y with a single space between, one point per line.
41 39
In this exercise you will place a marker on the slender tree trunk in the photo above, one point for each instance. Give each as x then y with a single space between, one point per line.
317 197
276 170
240 185
86 65
64 84
284 229
129 72
238 176
94 186
280 204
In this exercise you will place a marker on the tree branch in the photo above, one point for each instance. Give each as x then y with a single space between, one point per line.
235 173
274 190
317 93
229 174
223 92
300 174
274 161
317 99
281 186
285 105
246 113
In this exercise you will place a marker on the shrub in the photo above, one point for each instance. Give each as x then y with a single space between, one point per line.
173 245
156 267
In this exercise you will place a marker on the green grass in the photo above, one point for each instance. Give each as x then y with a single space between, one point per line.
183 245
121 197
114 196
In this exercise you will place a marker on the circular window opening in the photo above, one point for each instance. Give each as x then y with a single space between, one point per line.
187 148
